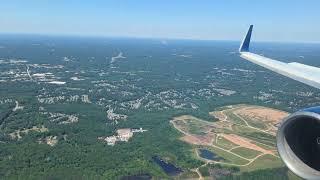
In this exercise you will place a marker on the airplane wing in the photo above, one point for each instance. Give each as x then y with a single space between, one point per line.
306 74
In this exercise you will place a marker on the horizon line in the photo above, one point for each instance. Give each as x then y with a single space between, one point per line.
149 37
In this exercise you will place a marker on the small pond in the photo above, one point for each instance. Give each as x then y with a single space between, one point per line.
206 154
167 167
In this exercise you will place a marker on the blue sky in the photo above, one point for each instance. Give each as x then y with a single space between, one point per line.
274 20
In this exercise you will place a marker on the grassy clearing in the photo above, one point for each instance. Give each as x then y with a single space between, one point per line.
225 144
263 138
240 129
257 123
255 135
233 118
247 153
228 157
188 175
195 129
263 162
264 146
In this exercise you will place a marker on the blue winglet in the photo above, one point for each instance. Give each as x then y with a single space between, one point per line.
244 47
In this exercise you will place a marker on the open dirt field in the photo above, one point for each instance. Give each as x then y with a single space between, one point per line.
246 143
198 140
261 113
258 124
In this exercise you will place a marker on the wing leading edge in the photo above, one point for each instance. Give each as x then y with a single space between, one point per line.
306 74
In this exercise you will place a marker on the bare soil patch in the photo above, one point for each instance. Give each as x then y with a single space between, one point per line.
198 140
262 113
246 143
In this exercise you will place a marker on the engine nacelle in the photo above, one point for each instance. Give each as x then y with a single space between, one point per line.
298 142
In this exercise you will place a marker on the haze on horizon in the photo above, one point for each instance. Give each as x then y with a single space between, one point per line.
287 20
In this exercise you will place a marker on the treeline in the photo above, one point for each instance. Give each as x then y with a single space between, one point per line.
264 174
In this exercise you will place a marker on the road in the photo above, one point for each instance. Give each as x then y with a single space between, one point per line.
28 72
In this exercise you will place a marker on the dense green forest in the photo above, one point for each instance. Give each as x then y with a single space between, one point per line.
58 95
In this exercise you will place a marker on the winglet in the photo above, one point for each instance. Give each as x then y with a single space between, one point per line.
244 47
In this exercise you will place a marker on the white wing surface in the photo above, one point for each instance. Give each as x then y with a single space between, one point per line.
306 74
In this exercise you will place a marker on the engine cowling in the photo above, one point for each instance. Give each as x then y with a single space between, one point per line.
298 142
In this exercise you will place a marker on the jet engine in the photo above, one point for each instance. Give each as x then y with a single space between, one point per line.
298 142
